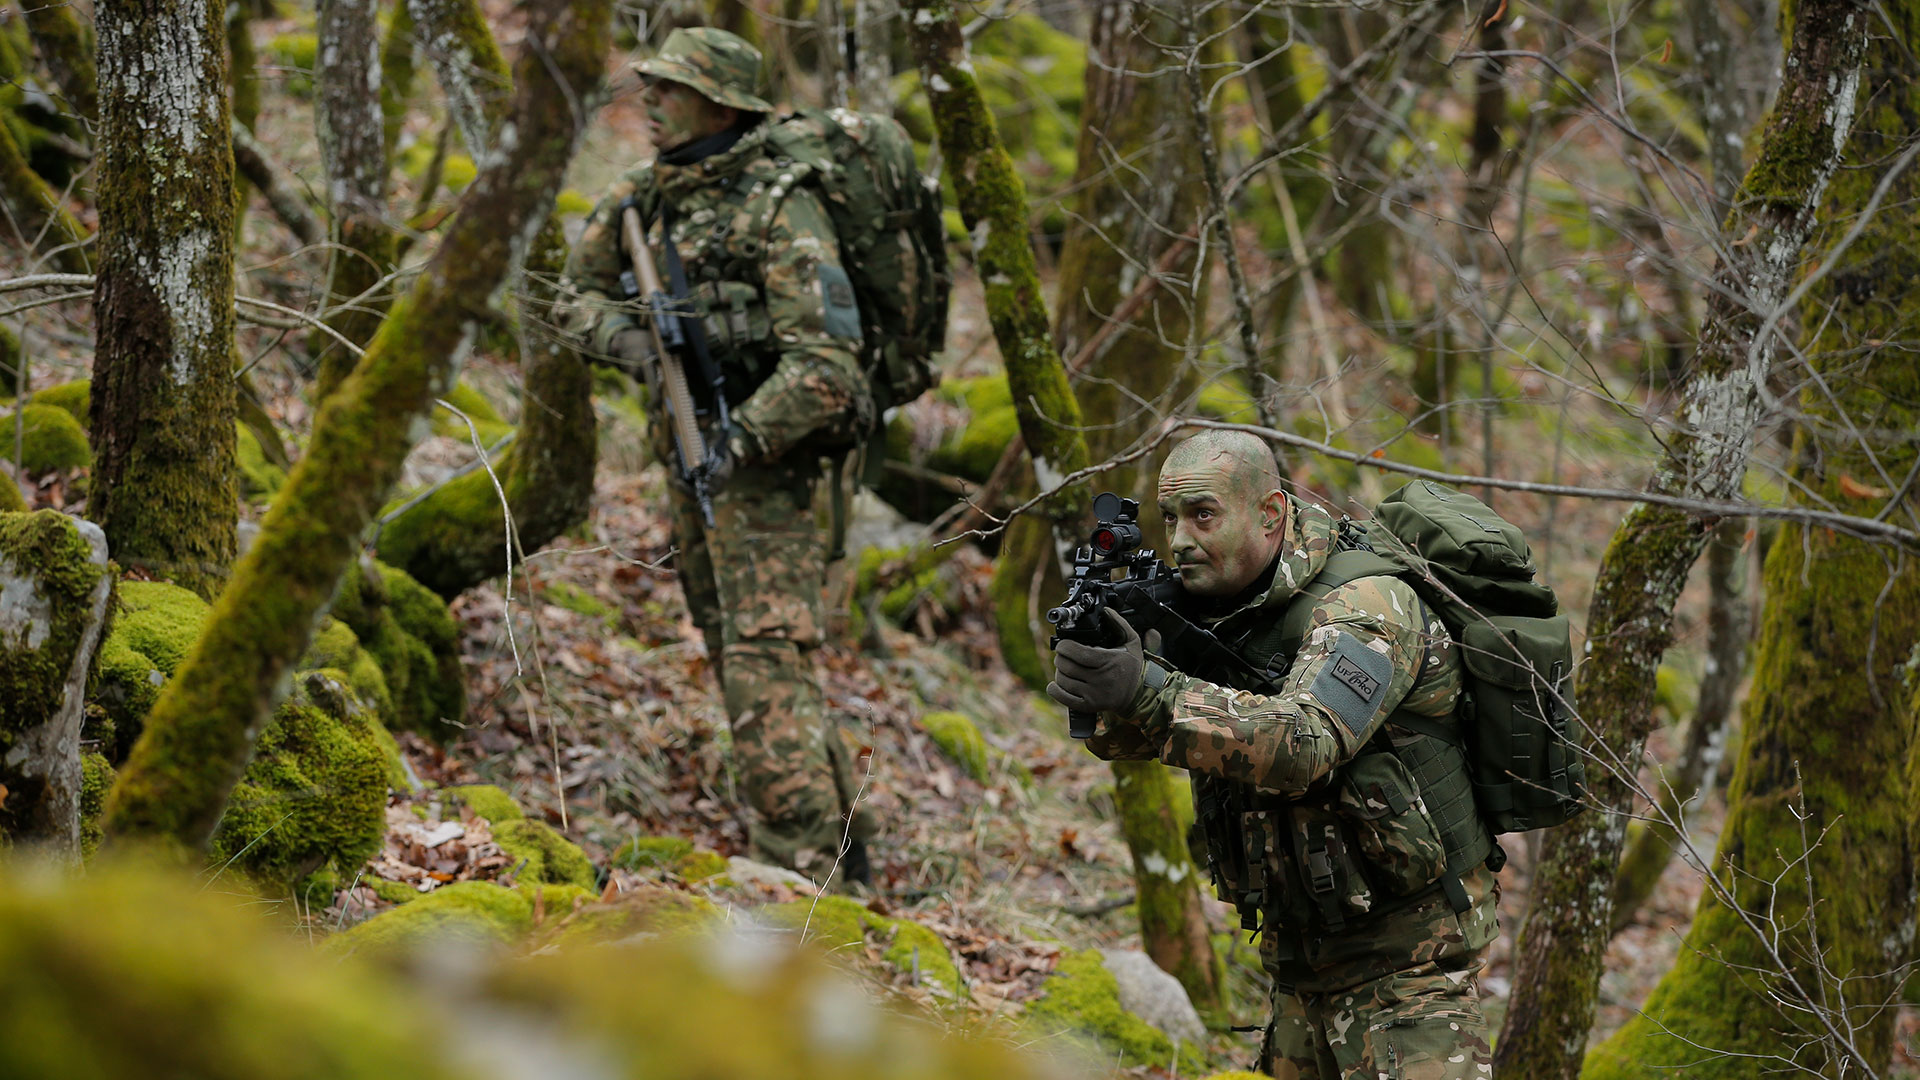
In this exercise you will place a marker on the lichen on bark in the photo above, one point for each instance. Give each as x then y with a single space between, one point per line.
201 731
164 480
1561 946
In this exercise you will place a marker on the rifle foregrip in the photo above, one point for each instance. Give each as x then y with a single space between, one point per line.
1080 725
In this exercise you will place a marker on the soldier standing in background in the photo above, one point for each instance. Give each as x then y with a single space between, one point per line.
760 255
1328 817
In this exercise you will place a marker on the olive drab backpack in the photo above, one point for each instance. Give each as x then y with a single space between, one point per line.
892 240
1475 570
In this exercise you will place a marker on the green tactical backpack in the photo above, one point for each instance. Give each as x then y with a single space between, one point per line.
1475 570
892 240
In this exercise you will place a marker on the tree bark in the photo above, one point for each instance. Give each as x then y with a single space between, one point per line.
1561 946
468 65
1650 843
200 733
352 127
164 480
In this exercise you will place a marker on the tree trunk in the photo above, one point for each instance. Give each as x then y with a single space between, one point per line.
1823 766
874 22
53 571
164 481
244 79
1136 151
1650 843
67 49
396 74
467 63
200 734
353 145
453 539
993 206
1560 948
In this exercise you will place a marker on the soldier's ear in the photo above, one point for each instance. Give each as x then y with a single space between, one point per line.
1273 511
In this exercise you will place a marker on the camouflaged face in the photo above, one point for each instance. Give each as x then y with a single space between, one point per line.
1423 1023
753 584
720 65
762 261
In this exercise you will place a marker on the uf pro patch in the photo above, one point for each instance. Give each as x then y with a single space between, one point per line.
1353 683
843 311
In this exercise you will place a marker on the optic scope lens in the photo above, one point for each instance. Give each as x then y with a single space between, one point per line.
1104 541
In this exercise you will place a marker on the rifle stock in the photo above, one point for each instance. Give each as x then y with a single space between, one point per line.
687 437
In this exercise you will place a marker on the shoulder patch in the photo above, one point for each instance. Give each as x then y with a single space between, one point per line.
842 309
1353 683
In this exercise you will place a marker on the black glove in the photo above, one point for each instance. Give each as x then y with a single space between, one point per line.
1089 678
729 452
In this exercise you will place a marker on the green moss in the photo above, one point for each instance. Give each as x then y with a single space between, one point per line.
159 621
412 638
489 802
12 501
314 794
125 685
124 973
393 892
1225 398
651 852
571 204
458 172
73 398
838 923
959 738
573 598
96 777
473 911
486 419
1081 1000
295 54
551 859
51 440
648 909
260 479
336 646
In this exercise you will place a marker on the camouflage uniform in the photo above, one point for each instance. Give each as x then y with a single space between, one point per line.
762 260
1374 967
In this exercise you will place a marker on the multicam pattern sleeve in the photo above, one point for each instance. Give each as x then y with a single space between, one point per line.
817 385
1358 662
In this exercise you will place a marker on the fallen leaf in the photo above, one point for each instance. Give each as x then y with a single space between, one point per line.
1854 489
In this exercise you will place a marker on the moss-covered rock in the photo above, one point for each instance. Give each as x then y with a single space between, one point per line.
489 802
550 859
648 909
12 499
959 738
837 922
73 398
1081 1001
336 646
153 629
472 911
570 597
315 793
51 440
96 778
672 855
486 419
412 638
127 973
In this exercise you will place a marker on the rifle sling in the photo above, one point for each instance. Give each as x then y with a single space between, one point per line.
694 325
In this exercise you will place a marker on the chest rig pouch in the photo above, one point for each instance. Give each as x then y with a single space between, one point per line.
724 245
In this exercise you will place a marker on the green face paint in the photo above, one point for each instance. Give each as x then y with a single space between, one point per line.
1224 515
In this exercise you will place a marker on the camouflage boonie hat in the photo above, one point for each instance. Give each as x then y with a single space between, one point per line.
721 66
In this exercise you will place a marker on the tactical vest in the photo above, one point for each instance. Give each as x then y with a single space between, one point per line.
1383 831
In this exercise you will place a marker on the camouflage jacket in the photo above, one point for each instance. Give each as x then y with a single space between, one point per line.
764 266
1323 811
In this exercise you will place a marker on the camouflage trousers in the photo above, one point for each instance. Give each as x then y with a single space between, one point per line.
753 583
1423 1023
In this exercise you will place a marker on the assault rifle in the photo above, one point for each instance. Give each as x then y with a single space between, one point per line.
1148 597
679 335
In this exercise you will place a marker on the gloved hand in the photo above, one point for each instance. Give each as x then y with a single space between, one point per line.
1088 678
631 350
722 457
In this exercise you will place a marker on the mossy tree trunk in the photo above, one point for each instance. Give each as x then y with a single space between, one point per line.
243 74
452 540
1362 266
1137 151
352 127
1560 947
67 49
1800 958
396 74
993 206
200 734
37 213
162 412
1650 844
